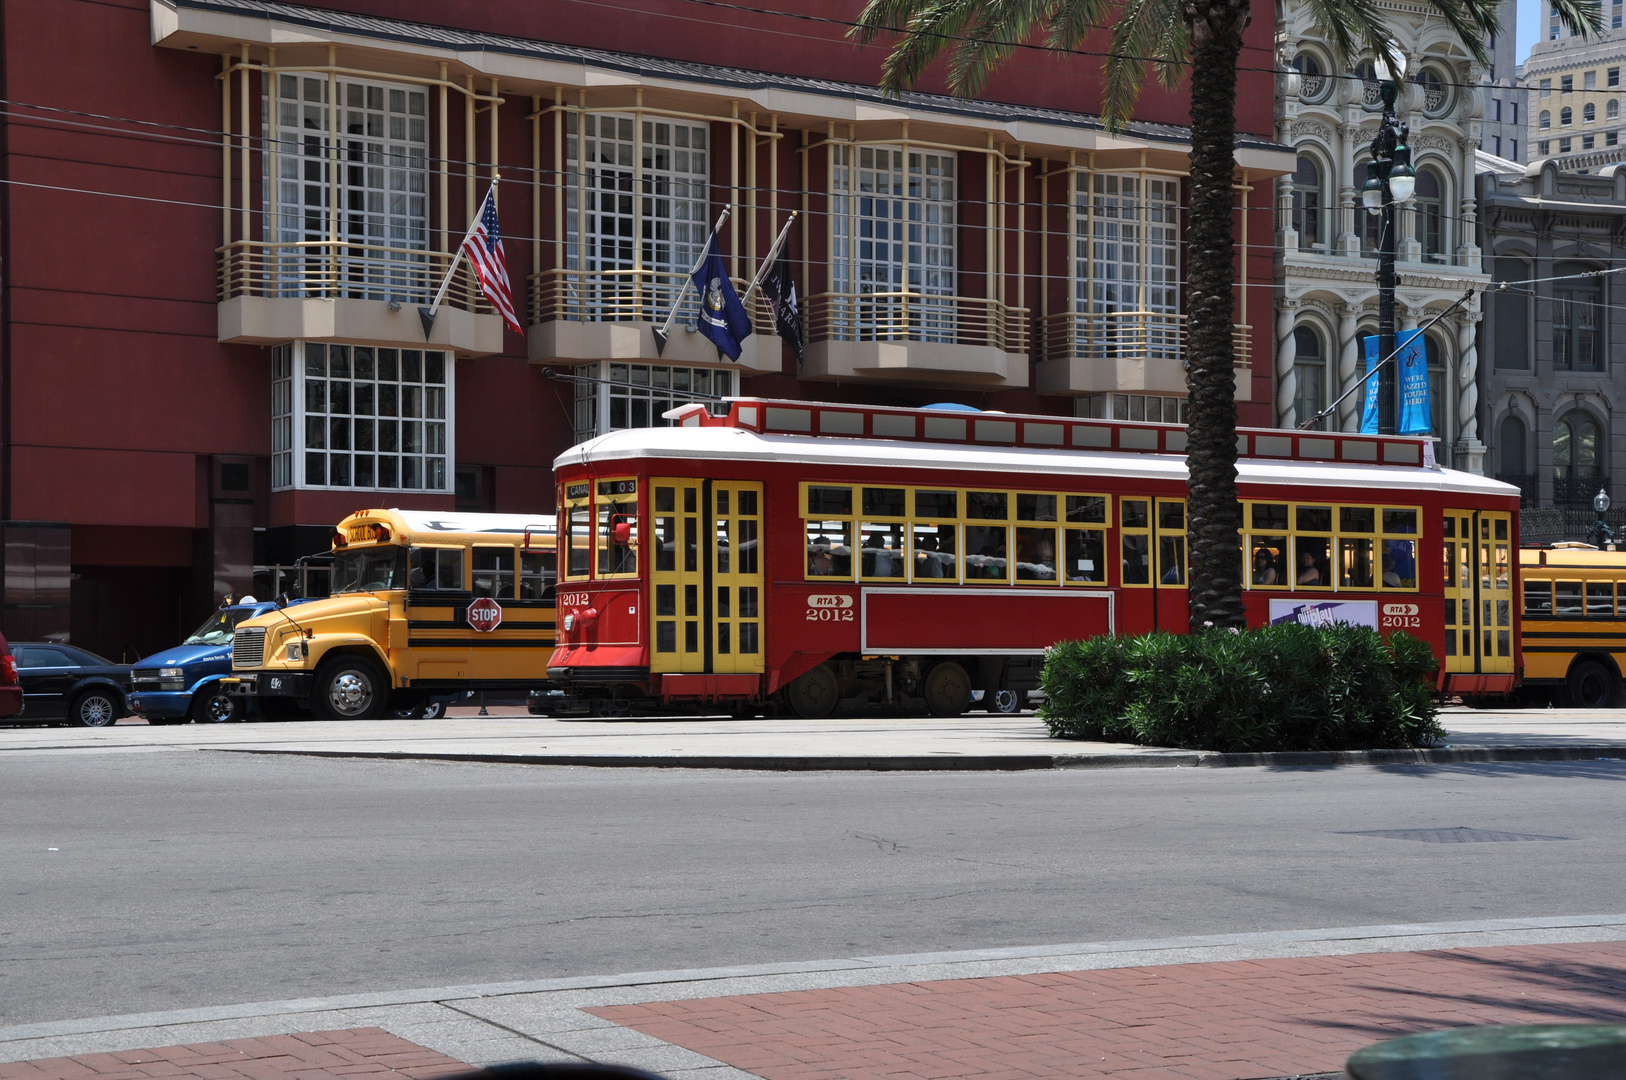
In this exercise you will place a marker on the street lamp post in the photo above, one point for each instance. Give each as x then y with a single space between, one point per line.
1390 180
1601 534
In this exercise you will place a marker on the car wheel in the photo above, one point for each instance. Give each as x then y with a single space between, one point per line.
215 706
349 688
1005 701
947 690
1591 685
814 694
94 708
434 710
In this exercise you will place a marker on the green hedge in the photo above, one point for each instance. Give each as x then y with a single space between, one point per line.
1282 687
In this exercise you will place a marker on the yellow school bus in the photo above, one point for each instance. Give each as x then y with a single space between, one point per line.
423 604
1573 634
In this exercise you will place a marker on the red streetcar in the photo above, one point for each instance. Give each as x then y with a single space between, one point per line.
810 553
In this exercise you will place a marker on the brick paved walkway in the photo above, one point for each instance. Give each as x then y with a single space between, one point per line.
312 1055
1220 1021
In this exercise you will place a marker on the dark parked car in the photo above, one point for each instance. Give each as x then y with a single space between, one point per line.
62 683
11 691
183 683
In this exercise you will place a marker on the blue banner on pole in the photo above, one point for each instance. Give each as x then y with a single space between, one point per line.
1415 418
1369 412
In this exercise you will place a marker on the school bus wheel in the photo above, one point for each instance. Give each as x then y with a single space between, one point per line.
1590 685
349 688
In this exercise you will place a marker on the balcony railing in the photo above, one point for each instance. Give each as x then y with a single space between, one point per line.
1154 335
1529 491
1572 490
319 270
627 296
913 316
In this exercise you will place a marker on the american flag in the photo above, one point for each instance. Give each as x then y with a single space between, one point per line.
484 248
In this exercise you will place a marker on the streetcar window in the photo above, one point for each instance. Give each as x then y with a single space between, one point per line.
829 549
1087 508
1567 598
617 536
1310 565
1137 567
1356 519
1086 555
748 544
578 538
1035 508
537 571
1270 562
665 500
1270 516
1136 513
943 505
935 552
883 550
1501 528
1355 564
494 572
1313 519
986 556
1600 598
1400 564
987 505
884 502
666 541
829 501
1450 525
1403 521
1035 553
1171 542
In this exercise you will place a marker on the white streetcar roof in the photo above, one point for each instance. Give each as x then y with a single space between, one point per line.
724 444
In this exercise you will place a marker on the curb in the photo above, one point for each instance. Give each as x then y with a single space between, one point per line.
1164 759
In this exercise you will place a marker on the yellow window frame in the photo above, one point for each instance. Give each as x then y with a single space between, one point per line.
610 492
572 497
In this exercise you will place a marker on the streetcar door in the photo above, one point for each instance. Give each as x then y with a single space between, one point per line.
706 581
1478 592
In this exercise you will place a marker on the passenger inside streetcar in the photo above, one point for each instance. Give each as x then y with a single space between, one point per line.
883 552
1309 567
1264 567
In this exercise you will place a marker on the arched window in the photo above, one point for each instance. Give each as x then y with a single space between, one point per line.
1508 330
1312 80
1307 202
1576 322
1436 389
1565 116
1611 111
1577 454
1310 373
1511 450
1434 94
1546 119
1430 212
1368 72
1589 113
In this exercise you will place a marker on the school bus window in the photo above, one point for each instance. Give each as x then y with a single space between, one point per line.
1567 599
987 506
935 552
1538 596
370 569
884 502
1600 598
829 501
1135 517
829 549
883 550
1620 598
494 572
1171 542
435 568
537 571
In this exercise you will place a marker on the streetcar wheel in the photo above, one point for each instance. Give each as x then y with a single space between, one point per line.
948 690
1591 685
814 694
349 688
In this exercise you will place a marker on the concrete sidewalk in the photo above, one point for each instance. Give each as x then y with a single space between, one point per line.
1220 1007
973 741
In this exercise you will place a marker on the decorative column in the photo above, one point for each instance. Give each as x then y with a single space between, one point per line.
1349 240
1286 353
1287 238
1468 245
1469 452
1349 370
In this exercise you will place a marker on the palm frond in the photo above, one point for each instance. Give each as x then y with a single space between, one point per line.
1072 20
1583 17
1353 27
999 26
1141 36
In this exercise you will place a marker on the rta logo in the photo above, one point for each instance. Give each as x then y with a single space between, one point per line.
1401 609
829 600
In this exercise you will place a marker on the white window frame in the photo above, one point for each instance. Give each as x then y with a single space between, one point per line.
1126 258
656 387
292 419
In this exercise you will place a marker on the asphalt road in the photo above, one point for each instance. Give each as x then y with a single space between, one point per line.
144 881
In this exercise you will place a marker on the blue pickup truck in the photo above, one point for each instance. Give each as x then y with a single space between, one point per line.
183 683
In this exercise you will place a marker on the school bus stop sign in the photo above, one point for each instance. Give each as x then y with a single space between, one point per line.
485 614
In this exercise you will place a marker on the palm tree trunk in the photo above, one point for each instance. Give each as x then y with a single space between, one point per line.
1214 515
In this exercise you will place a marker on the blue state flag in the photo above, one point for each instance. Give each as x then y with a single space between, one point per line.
1415 415
1369 413
722 316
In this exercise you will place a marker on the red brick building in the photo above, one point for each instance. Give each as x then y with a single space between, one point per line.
218 219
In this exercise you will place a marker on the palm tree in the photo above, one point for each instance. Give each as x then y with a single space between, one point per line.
1172 36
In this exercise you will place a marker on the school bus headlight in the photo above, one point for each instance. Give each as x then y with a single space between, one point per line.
295 651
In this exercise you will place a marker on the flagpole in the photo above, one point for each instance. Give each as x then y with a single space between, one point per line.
427 314
767 263
666 327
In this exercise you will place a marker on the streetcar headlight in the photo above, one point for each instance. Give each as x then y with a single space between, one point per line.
570 623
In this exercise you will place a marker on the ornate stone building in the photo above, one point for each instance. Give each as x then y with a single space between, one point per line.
1327 242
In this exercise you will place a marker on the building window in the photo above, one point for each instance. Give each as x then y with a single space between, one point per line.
1589 113
1307 202
1309 372
1577 459
878 192
1586 142
1513 149
1564 145
1546 87
1566 84
1435 97
1430 212
1612 138
1612 76
622 396
600 151
1611 111
1496 145
1436 390
1126 264
1496 109
1545 121
1575 322
383 204
1151 408
1312 80
1511 451
1614 19
1508 329
1565 116
1544 148
353 416
1589 81
1513 107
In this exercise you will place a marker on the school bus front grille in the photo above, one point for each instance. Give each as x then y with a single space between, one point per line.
248 647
